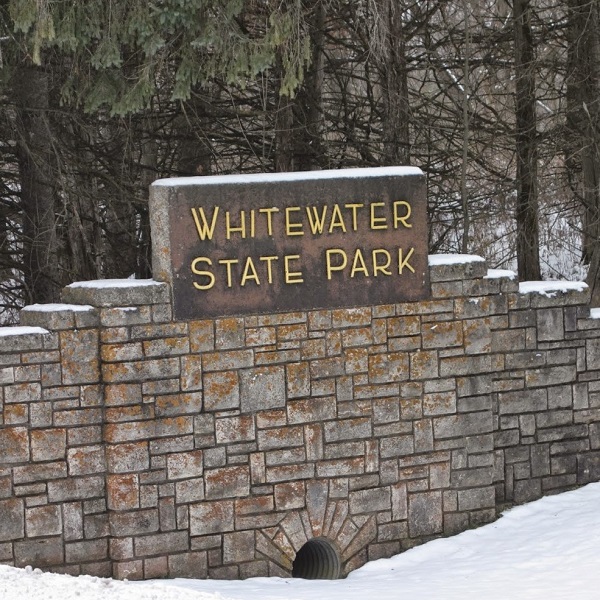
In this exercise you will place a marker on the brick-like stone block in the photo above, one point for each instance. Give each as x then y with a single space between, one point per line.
347 429
191 372
12 523
202 336
161 543
233 430
298 379
227 482
386 368
366 501
123 492
79 354
221 390
211 517
14 445
127 458
425 515
184 465
462 425
22 392
262 388
238 547
41 553
48 444
42 521
86 460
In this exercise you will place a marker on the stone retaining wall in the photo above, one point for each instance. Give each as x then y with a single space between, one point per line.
135 446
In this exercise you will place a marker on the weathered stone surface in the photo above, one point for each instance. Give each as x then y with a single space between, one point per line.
12 523
425 515
43 521
14 445
211 517
262 388
221 390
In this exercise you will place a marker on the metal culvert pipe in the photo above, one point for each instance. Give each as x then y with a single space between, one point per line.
317 559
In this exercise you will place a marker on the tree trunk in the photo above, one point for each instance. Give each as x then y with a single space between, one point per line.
528 259
391 52
34 152
583 126
308 109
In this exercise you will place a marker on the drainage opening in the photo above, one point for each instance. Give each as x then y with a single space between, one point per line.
317 559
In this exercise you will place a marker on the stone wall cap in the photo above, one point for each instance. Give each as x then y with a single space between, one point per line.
453 259
22 330
57 307
500 274
115 283
292 176
117 292
551 288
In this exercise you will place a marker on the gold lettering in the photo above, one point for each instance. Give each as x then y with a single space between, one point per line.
269 260
403 219
403 262
292 276
195 271
228 262
356 268
385 266
316 222
353 208
292 228
204 229
328 260
269 212
377 222
246 274
252 224
337 220
230 229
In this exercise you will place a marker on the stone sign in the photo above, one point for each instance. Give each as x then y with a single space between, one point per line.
246 244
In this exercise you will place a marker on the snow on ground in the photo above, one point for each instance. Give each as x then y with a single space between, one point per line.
548 549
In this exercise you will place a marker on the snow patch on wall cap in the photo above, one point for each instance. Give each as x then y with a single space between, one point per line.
595 313
295 176
551 288
13 331
453 259
498 273
115 283
57 307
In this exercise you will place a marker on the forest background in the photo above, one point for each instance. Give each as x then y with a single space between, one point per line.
497 101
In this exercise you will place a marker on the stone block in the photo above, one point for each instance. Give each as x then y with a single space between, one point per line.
231 430
22 392
139 522
262 388
85 460
161 543
189 564
238 547
191 373
462 425
227 482
184 465
14 445
43 521
225 361
297 380
373 500
123 492
424 365
221 390
117 292
79 356
12 523
347 429
40 553
86 551
425 515
211 517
